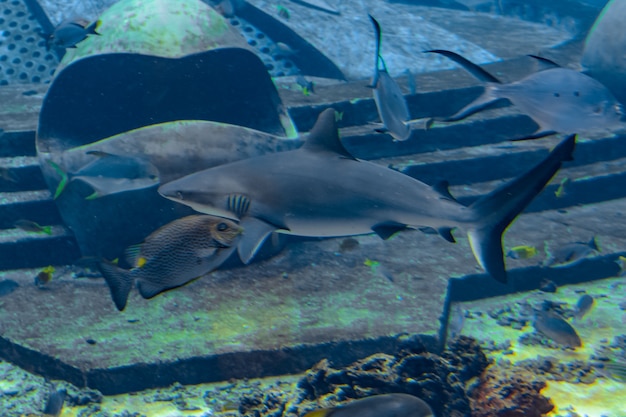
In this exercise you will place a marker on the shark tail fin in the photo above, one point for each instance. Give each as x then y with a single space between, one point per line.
497 210
64 178
120 282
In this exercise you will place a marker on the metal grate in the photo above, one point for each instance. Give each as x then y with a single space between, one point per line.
277 63
23 55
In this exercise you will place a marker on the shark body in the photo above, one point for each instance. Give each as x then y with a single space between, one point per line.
320 190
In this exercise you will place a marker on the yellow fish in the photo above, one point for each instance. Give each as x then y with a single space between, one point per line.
522 252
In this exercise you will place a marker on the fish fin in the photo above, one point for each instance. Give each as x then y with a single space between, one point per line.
593 244
120 282
486 99
446 233
93 196
496 210
132 254
324 136
254 234
442 188
381 130
379 38
149 290
386 230
545 62
467 65
64 178
538 134
47 230
92 28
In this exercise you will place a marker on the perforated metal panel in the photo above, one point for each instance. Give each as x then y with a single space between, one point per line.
277 62
23 55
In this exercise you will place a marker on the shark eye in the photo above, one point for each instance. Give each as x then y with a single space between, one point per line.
222 227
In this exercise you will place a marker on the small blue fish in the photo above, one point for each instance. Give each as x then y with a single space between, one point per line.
71 32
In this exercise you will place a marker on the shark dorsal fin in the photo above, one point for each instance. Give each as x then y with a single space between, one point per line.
324 137
442 188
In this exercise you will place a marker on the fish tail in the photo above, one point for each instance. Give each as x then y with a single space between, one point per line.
92 28
120 282
64 178
379 39
497 210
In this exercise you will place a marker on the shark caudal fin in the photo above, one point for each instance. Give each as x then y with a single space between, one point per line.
120 282
497 210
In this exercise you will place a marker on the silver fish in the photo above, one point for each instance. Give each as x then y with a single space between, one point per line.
559 100
70 32
172 256
384 405
110 174
572 253
320 190
556 328
392 108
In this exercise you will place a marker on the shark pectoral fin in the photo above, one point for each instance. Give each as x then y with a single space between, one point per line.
119 280
442 188
386 230
446 233
486 245
544 63
255 233
148 289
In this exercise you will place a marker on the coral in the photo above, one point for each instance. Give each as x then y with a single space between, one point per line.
438 380
502 393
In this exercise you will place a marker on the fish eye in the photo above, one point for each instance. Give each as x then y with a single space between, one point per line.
153 177
577 93
222 227
557 95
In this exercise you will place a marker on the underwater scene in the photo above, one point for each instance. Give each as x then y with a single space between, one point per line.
313 208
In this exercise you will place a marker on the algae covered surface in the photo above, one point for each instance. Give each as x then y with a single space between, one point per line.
573 382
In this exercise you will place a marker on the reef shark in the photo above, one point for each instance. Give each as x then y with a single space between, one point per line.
321 190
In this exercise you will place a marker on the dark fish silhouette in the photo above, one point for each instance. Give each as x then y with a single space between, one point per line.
70 32
556 328
320 190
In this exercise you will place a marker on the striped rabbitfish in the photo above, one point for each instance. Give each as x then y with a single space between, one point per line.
172 256
385 405
554 327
